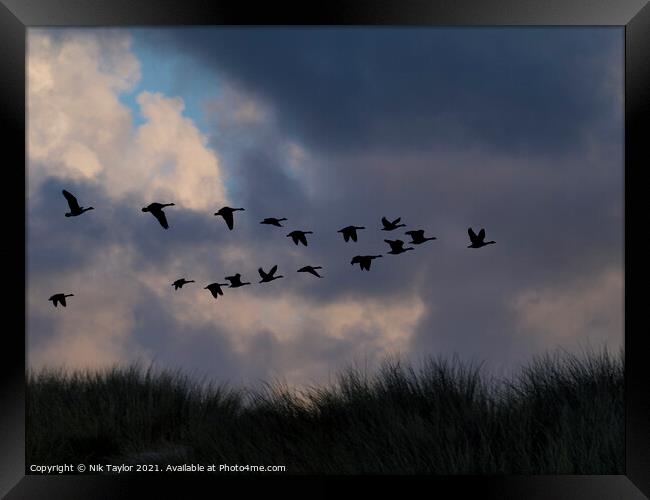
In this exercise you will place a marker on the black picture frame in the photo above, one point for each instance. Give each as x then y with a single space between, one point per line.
17 15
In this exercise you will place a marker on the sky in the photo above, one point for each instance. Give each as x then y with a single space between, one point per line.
515 130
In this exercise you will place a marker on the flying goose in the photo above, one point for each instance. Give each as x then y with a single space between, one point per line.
157 212
397 247
478 241
268 277
235 281
310 270
417 236
226 213
75 209
60 298
215 289
272 221
180 282
390 226
299 236
350 232
364 261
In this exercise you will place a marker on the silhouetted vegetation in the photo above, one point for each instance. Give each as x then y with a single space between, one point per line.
562 414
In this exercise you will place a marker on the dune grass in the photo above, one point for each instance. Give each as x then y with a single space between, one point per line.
562 414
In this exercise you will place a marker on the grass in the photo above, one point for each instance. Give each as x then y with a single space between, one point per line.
562 414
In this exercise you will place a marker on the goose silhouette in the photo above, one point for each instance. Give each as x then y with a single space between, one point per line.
60 298
390 226
180 282
226 213
156 209
299 236
310 270
397 247
268 277
417 237
478 240
215 289
75 209
350 232
364 261
235 281
272 221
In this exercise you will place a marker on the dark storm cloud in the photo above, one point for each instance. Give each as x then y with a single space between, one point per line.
524 93
546 220
527 90
533 99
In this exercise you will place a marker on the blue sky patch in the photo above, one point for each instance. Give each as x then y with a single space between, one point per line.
173 75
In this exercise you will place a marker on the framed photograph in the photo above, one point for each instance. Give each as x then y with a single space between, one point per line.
376 241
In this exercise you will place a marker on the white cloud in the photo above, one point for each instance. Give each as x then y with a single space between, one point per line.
78 128
184 168
299 327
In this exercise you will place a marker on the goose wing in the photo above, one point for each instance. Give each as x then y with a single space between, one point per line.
481 234
72 201
394 245
62 300
472 235
308 269
227 216
273 269
160 215
302 238
396 221
385 222
262 273
353 234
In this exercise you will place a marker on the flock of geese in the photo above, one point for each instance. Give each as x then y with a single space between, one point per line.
297 236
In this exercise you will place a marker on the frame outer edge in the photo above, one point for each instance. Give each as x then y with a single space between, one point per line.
16 14
346 12
12 364
637 123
